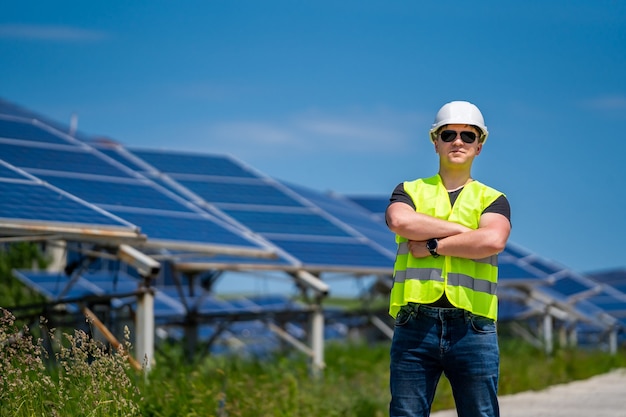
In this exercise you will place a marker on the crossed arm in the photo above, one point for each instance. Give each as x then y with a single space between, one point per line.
454 239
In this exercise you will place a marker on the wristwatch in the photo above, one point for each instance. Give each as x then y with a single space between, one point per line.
431 245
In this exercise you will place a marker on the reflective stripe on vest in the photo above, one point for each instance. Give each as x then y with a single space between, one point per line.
469 284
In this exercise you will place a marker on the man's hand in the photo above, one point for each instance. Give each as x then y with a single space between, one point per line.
418 249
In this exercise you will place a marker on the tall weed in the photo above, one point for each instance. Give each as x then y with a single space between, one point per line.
82 377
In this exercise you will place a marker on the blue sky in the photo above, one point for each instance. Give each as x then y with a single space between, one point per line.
339 95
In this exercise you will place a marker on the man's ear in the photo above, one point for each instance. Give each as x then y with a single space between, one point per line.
479 148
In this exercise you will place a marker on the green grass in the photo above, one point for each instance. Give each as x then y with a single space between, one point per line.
65 373
83 378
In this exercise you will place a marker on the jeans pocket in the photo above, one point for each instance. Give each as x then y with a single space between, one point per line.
403 317
482 324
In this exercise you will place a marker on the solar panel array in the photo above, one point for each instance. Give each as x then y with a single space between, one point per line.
217 205
30 206
307 233
114 190
180 202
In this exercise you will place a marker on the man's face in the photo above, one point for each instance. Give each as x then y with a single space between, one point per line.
457 150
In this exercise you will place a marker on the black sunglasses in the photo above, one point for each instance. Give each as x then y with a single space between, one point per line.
450 135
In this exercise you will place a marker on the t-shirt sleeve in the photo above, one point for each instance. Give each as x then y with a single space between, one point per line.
401 196
501 206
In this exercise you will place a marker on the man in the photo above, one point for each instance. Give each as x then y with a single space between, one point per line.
449 229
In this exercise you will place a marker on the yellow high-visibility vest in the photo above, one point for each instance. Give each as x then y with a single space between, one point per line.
469 284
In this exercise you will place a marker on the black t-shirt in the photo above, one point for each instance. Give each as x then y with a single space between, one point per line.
500 205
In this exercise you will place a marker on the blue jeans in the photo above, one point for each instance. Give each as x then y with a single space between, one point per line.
429 341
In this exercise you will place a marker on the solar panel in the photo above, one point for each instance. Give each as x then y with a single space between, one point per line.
27 130
304 230
118 286
569 286
353 215
43 158
90 175
117 192
31 206
616 278
35 201
374 204
193 164
609 303
7 172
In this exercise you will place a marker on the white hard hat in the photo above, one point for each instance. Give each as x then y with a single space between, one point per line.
462 113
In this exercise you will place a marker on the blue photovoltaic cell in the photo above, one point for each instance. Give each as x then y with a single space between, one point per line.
133 193
259 193
116 189
58 287
352 215
608 303
112 282
225 259
209 304
276 302
32 201
183 228
68 159
9 173
289 223
509 310
511 271
374 204
117 282
544 266
8 108
515 252
333 253
615 278
55 285
27 131
270 209
187 163
569 286
112 153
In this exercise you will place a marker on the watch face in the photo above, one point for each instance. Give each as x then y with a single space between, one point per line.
431 244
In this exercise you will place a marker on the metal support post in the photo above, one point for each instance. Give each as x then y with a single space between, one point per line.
613 341
145 329
317 340
547 333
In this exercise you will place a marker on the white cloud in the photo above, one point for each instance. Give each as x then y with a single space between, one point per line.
607 102
316 133
56 33
362 133
350 133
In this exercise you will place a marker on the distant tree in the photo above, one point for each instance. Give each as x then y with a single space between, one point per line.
18 255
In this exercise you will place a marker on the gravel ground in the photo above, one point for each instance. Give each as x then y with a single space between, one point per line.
599 396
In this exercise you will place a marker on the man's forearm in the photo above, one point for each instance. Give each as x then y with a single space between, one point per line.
418 226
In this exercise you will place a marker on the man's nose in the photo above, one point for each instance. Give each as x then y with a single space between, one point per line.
457 137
